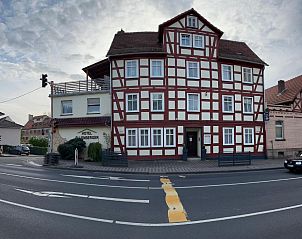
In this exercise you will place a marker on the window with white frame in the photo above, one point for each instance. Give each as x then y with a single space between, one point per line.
157 101
131 138
193 102
227 73
279 129
66 106
248 136
157 68
185 40
131 68
247 104
198 41
207 139
93 105
228 136
157 137
144 137
193 70
192 21
132 102
247 75
169 137
228 103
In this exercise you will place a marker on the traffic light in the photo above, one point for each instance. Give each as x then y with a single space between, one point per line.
44 80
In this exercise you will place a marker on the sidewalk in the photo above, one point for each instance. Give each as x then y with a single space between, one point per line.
168 167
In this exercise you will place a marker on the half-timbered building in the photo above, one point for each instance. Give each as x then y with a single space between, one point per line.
284 126
183 88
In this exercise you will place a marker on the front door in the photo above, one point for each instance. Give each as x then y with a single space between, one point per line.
192 144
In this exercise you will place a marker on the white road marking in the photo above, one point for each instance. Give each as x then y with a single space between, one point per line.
233 184
140 224
182 176
35 164
107 178
11 164
68 195
71 182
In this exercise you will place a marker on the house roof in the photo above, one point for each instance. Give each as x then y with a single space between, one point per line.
98 69
292 88
84 121
182 15
38 122
5 123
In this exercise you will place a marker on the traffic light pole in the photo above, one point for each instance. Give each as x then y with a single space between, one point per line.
52 122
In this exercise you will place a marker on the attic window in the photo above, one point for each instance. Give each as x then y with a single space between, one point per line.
192 21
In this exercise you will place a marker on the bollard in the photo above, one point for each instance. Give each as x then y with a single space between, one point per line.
76 157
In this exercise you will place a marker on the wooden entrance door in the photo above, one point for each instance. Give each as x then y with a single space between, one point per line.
192 144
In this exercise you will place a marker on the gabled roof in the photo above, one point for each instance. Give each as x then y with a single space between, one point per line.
182 15
98 70
45 123
5 123
235 50
135 43
292 88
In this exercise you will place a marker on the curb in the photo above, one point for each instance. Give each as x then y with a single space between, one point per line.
160 173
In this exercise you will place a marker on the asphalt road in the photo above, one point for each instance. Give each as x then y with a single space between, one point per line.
49 203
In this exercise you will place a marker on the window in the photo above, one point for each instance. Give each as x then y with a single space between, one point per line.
144 137
279 129
157 67
198 41
192 70
170 137
66 107
228 103
247 105
185 40
227 73
157 137
157 102
228 136
247 75
248 136
93 105
192 21
193 102
132 102
132 69
131 138
206 139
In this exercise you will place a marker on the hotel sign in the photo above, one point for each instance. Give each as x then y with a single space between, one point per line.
88 134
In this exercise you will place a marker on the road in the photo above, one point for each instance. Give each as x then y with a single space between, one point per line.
49 203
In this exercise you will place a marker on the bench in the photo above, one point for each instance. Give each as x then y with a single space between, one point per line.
234 159
113 159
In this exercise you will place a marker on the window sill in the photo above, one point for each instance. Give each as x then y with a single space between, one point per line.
227 80
131 77
66 114
189 46
132 112
246 82
193 78
248 113
93 113
280 139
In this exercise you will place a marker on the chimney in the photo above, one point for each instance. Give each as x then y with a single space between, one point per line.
30 117
281 86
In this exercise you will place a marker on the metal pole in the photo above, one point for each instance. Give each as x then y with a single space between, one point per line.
76 157
52 122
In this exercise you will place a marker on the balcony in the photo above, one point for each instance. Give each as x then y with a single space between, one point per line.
99 85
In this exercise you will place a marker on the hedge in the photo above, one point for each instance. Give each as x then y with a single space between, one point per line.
38 150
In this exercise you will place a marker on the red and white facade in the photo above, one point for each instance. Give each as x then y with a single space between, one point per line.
187 95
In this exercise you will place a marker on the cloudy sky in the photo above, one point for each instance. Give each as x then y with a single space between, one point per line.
60 37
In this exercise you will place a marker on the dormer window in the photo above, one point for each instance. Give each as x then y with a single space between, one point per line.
192 21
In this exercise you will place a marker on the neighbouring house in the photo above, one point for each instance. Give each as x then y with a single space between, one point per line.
36 126
10 132
182 87
284 127
82 109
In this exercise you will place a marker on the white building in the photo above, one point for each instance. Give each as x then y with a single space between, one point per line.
10 132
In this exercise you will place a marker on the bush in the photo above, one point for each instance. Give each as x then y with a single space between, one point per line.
94 151
39 142
38 150
67 149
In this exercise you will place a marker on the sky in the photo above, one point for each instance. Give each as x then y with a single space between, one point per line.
60 37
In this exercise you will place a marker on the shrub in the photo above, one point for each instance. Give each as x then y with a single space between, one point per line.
39 142
38 150
94 151
67 149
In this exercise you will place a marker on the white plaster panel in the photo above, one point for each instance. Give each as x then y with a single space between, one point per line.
193 83
215 149
214 74
116 83
132 117
208 148
181 104
185 51
144 62
256 71
215 106
132 82
120 63
193 116
144 72
171 81
237 77
205 64
215 129
180 129
145 115
207 129
198 53
120 95
206 29
205 83
238 86
238 117
171 115
181 72
228 150
214 65
145 105
181 94
180 139
227 86
207 51
180 149
116 117
214 84
237 68
228 117
144 81
239 149
171 71
215 139
172 94
157 82
171 104
157 152
171 61
249 149
144 152
238 139
215 96
237 97
170 152
238 129
144 94
247 87
260 149
181 116
248 117
157 116
206 105
181 82
206 116
181 62
215 116
237 106
205 74
131 152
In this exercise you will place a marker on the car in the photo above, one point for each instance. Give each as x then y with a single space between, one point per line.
294 164
20 149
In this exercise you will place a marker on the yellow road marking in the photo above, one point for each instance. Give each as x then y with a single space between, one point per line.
176 212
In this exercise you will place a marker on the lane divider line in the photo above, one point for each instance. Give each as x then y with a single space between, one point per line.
107 178
71 182
142 224
176 212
